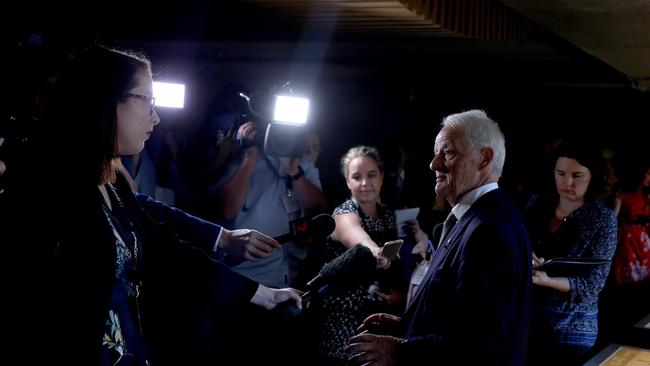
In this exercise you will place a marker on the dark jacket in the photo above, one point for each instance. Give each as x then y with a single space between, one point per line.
63 266
473 305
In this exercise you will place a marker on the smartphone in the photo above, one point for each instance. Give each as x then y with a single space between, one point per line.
391 248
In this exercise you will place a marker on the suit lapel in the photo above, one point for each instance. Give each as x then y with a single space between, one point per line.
452 240
439 257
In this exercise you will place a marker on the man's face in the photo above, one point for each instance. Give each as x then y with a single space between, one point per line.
457 166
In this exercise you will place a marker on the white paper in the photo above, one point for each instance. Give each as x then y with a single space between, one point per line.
404 215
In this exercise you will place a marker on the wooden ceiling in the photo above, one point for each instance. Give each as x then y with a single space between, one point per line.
360 31
395 19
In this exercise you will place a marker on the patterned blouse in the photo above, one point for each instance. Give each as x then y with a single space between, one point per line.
570 318
123 342
346 308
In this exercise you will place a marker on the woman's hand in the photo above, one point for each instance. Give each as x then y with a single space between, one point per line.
540 278
269 298
413 227
537 261
247 244
382 262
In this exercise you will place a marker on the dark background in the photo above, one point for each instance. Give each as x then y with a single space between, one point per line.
365 87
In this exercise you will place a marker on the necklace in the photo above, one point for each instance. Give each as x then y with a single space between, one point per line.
562 214
132 248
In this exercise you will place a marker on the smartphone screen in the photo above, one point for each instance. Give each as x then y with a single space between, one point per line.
391 248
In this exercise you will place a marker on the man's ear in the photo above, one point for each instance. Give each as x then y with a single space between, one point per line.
487 155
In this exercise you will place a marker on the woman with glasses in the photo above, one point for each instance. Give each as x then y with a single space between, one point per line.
104 276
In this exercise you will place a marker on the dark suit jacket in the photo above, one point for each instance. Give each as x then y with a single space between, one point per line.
63 267
473 305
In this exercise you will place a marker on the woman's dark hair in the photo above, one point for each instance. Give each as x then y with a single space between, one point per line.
587 155
82 121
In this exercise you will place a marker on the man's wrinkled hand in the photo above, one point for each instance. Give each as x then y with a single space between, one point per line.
373 349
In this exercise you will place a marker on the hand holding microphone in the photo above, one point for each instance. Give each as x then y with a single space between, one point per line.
356 265
307 230
246 244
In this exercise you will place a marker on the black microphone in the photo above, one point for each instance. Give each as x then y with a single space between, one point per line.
306 230
356 265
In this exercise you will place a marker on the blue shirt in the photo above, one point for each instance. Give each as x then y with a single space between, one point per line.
264 211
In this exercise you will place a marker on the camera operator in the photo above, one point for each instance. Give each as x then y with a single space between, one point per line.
265 193
261 191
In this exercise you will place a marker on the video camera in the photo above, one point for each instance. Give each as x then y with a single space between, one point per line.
283 135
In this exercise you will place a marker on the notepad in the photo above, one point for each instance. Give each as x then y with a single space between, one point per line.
402 216
570 266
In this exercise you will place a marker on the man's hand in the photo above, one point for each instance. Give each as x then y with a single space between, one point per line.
269 298
247 244
393 298
373 349
246 138
380 323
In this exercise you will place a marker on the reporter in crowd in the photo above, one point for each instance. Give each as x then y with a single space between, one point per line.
364 220
569 221
100 275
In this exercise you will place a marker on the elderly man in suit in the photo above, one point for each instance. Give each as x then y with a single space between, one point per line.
473 304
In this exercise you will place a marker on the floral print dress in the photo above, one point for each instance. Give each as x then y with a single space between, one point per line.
123 344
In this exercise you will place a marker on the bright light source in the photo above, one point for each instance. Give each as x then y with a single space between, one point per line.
169 94
291 109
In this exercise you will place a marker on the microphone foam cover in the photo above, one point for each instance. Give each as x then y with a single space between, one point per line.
355 265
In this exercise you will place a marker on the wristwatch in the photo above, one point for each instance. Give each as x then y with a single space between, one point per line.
297 175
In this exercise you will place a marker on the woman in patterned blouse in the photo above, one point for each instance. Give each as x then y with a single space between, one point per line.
569 222
363 220
105 276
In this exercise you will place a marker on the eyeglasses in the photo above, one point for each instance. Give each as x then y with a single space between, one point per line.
148 99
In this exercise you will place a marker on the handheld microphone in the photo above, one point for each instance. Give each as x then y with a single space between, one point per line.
306 231
356 265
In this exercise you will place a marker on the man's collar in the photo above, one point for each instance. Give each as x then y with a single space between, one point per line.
470 197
